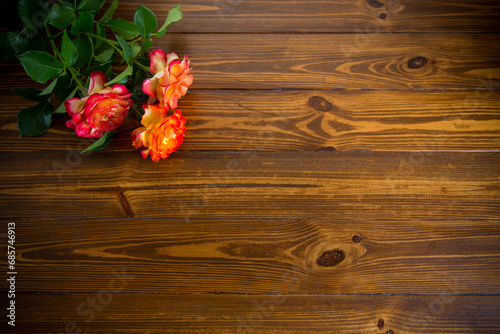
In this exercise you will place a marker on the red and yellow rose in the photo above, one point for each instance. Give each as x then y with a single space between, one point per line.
104 109
170 81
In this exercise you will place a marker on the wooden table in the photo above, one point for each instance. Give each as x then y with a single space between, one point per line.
340 174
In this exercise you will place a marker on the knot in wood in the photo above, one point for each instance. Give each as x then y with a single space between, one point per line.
417 62
380 323
356 239
331 258
320 104
327 148
375 3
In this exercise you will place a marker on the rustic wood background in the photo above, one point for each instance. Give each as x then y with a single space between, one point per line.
340 174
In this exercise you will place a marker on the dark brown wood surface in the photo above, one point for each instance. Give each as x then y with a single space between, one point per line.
340 174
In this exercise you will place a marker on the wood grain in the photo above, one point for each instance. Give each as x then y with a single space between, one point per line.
316 61
239 16
338 61
340 174
260 256
132 313
323 184
304 121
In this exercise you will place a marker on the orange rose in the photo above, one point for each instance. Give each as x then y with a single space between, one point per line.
161 135
171 79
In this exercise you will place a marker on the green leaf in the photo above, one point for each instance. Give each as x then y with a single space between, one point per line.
62 109
127 72
84 23
34 121
136 49
101 142
32 94
40 65
145 21
127 51
10 43
123 28
91 5
146 44
109 13
61 15
64 86
33 11
68 50
84 50
105 55
174 15
48 90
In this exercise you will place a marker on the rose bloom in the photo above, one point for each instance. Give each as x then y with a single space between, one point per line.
161 135
104 109
171 79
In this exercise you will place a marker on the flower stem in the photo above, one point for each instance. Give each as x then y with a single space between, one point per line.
58 55
112 43
142 67
74 75
55 50
135 40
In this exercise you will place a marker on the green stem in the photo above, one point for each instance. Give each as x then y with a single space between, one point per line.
111 43
142 67
74 75
103 39
58 55
135 40
55 50
25 28
91 46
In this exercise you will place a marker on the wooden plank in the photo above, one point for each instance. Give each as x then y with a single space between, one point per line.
326 16
323 184
260 256
127 313
307 61
304 121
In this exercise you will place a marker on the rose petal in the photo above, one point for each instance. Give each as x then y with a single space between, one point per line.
74 106
137 137
119 89
151 100
178 114
145 153
176 68
153 114
93 100
164 79
70 124
158 60
97 81
171 56
149 86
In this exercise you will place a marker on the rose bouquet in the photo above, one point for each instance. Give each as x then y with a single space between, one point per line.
75 48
